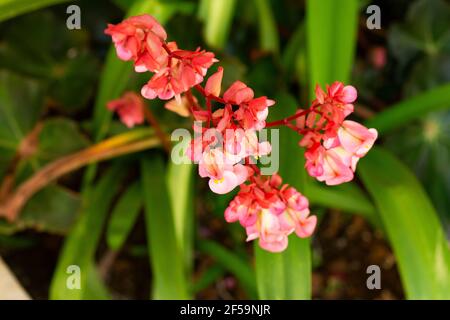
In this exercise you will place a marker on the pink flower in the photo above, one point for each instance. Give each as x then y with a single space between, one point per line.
214 83
238 93
199 60
252 113
224 174
183 74
271 214
130 108
135 34
355 138
272 234
244 143
334 145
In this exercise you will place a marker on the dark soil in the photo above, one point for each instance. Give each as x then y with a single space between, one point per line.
343 248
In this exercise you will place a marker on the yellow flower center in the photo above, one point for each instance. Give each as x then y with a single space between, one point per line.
216 181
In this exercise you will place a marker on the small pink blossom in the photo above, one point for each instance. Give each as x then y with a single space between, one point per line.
334 145
214 83
136 34
130 108
270 213
355 138
224 174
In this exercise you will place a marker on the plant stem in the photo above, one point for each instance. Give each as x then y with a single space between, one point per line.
104 150
165 142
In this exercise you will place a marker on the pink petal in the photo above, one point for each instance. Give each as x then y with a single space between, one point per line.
214 83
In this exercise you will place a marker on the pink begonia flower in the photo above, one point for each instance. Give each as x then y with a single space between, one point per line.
214 83
252 112
272 234
130 108
244 143
334 145
132 35
182 75
271 214
224 174
355 138
335 171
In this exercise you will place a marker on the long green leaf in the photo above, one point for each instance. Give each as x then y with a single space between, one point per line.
166 259
331 38
218 16
232 263
181 195
124 216
12 8
80 246
410 109
286 275
268 33
412 225
347 197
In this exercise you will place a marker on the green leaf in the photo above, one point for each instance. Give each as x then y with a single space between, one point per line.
59 137
293 49
233 263
61 58
181 195
410 109
81 244
347 197
331 38
168 267
53 209
21 103
124 216
286 275
268 33
11 8
411 224
218 16
209 276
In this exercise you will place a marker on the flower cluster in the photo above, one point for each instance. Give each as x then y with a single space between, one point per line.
271 211
333 145
227 146
143 40
227 137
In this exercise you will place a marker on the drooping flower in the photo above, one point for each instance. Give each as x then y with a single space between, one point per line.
252 112
143 40
270 213
135 35
334 145
355 138
130 108
184 72
224 173
214 83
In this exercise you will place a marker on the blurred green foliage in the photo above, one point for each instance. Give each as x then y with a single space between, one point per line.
54 84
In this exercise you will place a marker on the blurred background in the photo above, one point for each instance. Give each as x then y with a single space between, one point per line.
141 227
